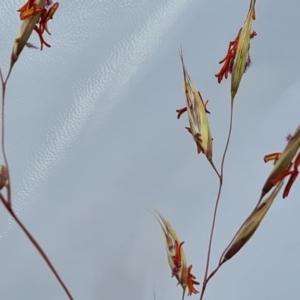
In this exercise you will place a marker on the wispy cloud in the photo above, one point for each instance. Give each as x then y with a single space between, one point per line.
108 82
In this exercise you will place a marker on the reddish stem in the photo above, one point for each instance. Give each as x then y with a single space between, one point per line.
8 203
35 244
221 176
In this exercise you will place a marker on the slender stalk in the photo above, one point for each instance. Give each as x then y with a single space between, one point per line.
7 202
35 244
214 272
4 82
221 177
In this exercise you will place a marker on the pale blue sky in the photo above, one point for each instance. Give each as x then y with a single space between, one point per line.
92 138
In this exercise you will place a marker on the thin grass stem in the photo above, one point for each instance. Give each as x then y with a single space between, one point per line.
221 178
